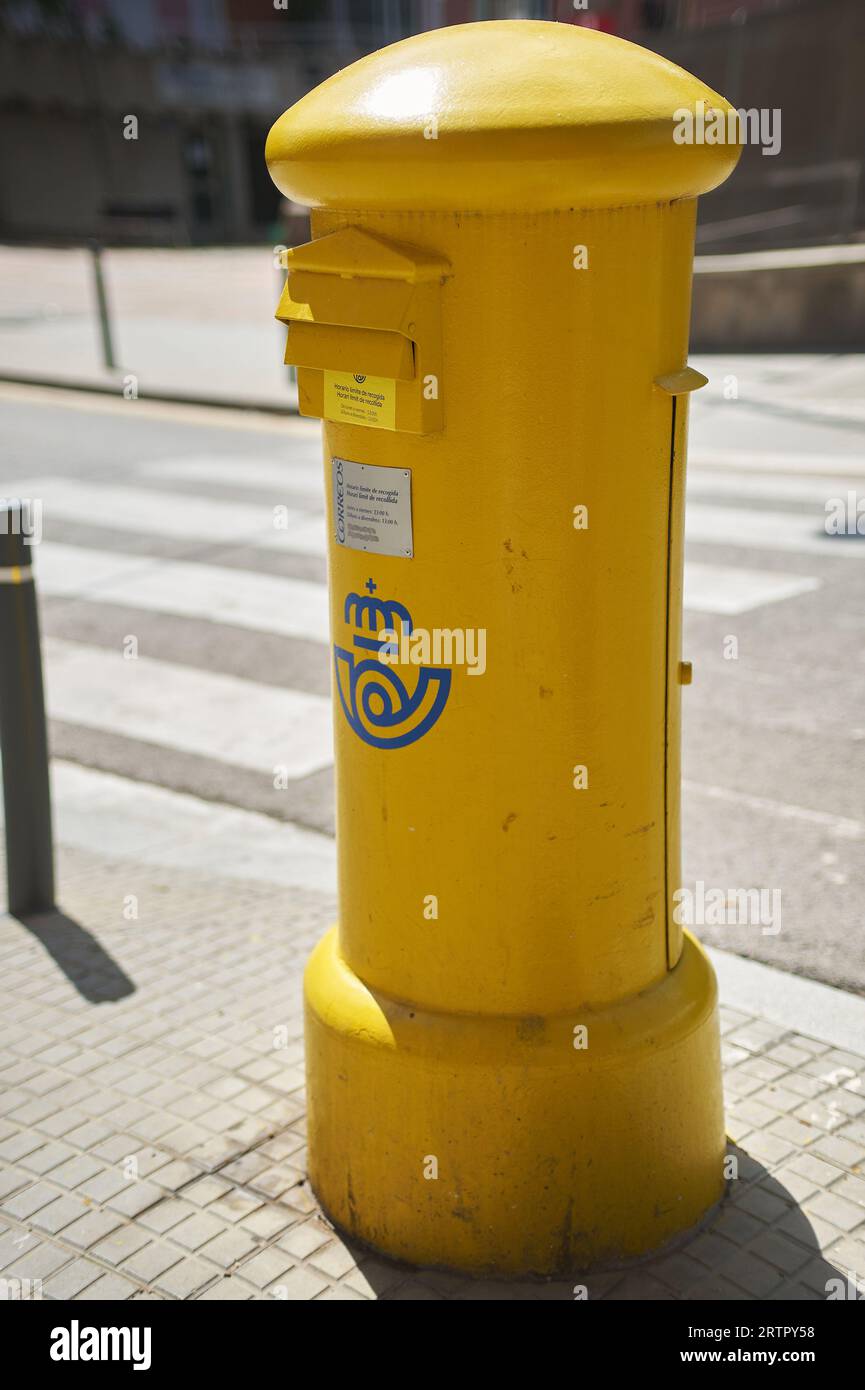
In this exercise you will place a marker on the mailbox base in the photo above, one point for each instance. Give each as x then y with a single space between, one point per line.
493 1144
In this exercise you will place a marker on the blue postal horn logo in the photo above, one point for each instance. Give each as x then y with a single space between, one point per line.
376 702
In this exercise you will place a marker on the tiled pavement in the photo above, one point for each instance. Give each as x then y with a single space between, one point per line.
152 1120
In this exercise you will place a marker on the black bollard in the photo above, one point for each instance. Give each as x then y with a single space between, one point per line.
105 336
23 739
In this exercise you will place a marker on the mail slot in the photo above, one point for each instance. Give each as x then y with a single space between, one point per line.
326 346
360 305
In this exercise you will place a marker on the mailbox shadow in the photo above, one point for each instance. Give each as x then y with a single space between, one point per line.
758 1233
772 1255
85 963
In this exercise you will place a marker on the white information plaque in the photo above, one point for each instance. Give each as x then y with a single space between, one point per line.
372 508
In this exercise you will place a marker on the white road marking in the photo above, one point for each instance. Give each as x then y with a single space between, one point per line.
194 519
262 602
245 418
299 608
728 589
198 519
287 475
114 817
765 530
772 488
773 461
215 716
842 826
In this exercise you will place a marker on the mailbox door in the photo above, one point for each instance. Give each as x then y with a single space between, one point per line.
673 737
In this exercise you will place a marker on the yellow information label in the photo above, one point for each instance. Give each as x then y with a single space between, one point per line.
360 400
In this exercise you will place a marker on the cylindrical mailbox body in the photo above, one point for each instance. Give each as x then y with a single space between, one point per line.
513 1058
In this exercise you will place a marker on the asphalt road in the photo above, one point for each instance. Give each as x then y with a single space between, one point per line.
153 525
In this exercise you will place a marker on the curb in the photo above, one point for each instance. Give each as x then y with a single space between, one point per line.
168 397
804 1006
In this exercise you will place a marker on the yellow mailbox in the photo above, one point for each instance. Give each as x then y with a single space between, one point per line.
513 1054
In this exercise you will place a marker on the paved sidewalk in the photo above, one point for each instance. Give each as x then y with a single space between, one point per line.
196 324
152 1134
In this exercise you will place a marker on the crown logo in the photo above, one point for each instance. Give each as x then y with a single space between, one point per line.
376 702
373 617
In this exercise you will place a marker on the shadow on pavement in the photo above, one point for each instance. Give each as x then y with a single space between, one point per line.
757 1245
97 977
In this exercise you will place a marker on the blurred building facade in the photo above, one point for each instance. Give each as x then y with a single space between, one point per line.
144 120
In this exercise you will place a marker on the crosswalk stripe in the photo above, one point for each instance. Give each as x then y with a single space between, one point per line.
299 608
766 530
843 826
262 602
198 519
707 477
728 589
215 716
298 475
774 461
112 816
772 488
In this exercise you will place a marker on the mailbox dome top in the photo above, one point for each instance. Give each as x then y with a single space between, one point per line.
503 115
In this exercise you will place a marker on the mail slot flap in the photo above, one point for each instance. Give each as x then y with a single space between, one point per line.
356 302
358 280
332 347
351 251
